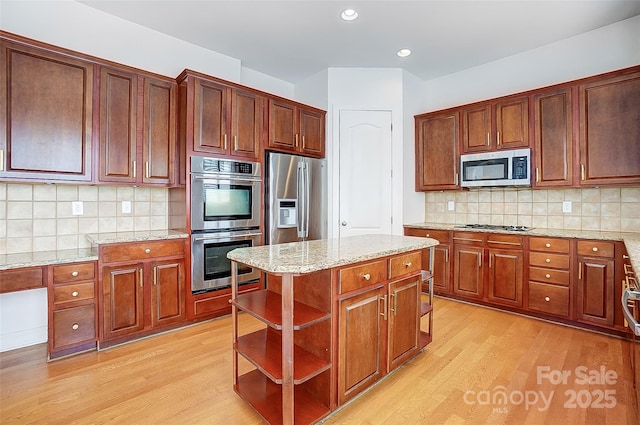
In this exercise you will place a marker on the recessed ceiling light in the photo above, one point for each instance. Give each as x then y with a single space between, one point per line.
349 14
403 53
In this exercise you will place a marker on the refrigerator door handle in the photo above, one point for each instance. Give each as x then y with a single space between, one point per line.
307 201
300 201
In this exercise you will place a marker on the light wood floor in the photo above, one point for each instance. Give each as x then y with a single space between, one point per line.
184 377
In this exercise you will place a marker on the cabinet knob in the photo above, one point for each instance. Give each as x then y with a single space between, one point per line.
547 299
148 250
547 276
409 264
344 223
548 245
594 249
74 273
75 326
74 294
428 235
547 260
366 276
625 256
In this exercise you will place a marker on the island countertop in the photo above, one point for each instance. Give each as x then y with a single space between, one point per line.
311 256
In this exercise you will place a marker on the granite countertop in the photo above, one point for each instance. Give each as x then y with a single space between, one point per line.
630 239
311 256
43 258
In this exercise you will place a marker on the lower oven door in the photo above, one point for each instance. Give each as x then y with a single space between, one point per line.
210 267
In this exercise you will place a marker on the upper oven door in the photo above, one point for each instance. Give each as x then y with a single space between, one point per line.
221 203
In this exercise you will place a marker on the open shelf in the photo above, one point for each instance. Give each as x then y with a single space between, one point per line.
264 349
266 305
425 308
425 339
266 398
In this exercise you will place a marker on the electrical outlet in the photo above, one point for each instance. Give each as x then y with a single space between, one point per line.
77 208
566 206
126 207
451 206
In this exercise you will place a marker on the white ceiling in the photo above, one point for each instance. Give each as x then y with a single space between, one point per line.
292 40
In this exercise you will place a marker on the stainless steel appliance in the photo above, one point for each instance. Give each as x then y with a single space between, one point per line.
225 214
495 227
631 310
211 269
296 198
501 168
225 194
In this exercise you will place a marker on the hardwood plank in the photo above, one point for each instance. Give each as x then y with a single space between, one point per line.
185 376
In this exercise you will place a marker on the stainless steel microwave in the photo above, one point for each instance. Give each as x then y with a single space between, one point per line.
502 168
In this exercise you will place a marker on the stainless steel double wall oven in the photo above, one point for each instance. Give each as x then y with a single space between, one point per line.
225 214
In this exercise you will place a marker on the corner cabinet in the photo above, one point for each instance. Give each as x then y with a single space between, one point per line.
296 128
437 162
47 103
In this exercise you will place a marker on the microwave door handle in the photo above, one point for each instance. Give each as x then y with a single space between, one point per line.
633 324
300 200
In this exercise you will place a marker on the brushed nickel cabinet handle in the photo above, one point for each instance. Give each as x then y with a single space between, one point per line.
537 175
408 264
235 143
490 260
135 171
548 276
582 173
479 260
147 251
141 277
547 260
547 299
428 235
594 249
395 303
579 270
296 140
548 245
155 276
74 294
625 256
75 326
147 170
366 276
455 181
74 273
498 138
1 159
446 256
488 137
384 308
303 145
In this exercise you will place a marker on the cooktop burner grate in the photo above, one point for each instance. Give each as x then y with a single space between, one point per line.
495 227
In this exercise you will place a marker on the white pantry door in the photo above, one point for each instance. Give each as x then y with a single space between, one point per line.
365 173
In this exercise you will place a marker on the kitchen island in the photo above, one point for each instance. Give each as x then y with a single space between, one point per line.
338 315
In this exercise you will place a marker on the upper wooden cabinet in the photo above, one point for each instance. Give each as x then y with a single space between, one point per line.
295 128
610 130
553 137
437 138
496 125
137 128
46 123
222 120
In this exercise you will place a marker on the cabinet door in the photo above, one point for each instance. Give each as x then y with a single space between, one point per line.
403 320
361 343
247 124
467 275
123 294
595 294
610 130
505 277
167 292
437 151
159 131
441 269
553 135
282 125
512 123
476 128
118 113
210 130
312 133
47 135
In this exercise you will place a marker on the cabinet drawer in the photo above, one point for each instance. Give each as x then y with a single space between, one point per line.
405 264
141 251
550 299
496 240
73 272
556 261
559 277
441 236
469 238
355 277
595 248
549 245
74 325
21 279
75 292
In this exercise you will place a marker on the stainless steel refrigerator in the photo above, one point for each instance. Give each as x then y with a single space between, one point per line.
296 198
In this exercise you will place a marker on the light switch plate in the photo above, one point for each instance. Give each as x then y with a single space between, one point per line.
77 208
126 207
566 206
451 206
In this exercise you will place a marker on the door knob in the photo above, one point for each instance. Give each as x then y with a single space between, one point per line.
344 223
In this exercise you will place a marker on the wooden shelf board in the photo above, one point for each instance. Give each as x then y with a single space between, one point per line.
425 339
425 308
264 349
266 398
266 305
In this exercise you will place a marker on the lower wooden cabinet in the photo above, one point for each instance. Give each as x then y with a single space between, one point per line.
403 322
595 284
468 267
505 271
549 299
143 287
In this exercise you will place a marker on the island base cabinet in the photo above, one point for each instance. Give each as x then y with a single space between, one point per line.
404 321
361 345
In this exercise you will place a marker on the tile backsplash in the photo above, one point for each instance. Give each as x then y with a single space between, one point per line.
38 217
606 209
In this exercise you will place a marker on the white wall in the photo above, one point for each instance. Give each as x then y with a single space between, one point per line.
75 26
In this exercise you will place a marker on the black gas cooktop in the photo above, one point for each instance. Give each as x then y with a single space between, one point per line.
495 227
